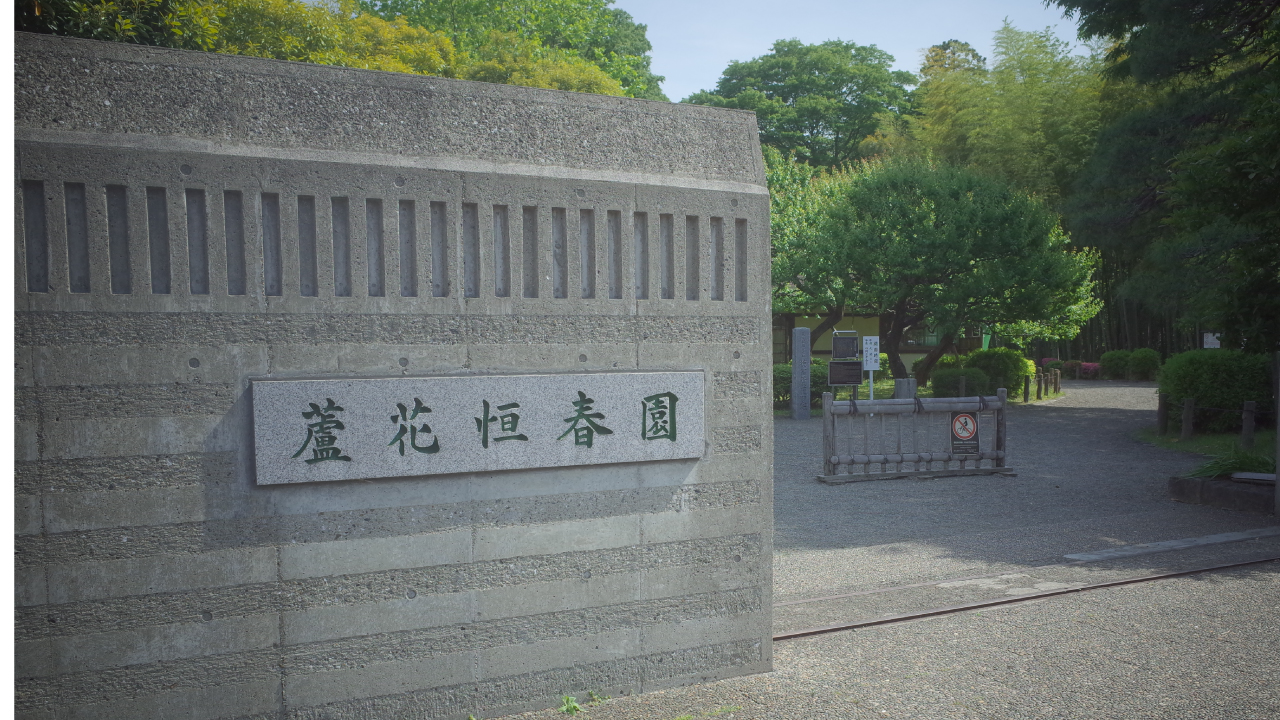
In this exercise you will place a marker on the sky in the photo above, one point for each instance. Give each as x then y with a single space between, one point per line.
694 40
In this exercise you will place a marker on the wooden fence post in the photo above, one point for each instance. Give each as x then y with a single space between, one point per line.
1026 388
1246 425
1057 380
828 434
1188 418
1039 386
1001 394
1162 415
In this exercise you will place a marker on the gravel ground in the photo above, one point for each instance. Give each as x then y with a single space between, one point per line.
1204 646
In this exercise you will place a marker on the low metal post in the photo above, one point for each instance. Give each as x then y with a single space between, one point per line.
828 435
1246 425
1026 389
1188 418
1162 414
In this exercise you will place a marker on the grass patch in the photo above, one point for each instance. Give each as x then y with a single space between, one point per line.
1236 461
1217 444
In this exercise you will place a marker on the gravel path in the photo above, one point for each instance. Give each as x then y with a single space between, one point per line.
1204 646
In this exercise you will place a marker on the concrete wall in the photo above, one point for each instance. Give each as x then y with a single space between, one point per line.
156 580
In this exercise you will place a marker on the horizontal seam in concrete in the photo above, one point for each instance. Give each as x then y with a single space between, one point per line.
447 164
121 474
155 609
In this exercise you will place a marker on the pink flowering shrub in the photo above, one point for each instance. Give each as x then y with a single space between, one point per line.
1090 371
1044 362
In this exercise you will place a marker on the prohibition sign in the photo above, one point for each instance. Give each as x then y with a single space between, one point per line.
964 426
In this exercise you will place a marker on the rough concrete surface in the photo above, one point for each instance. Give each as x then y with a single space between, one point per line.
1199 646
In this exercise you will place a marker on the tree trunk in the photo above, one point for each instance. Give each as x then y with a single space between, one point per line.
829 321
924 365
892 344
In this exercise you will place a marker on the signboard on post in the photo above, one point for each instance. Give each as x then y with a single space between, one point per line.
844 346
964 433
844 372
1211 340
871 352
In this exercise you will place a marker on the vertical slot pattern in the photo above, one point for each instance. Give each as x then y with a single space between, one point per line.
471 249
740 260
439 250
717 258
667 253
233 212
641 221
408 249
77 237
197 242
373 246
158 238
272 263
308 265
615 254
501 252
341 246
587 251
692 255
37 235
118 239
530 224
559 253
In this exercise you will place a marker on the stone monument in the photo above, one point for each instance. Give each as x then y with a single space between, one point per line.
353 394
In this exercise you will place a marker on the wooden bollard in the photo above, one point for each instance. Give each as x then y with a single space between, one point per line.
1162 414
1039 386
1246 425
1188 418
1026 389
1057 380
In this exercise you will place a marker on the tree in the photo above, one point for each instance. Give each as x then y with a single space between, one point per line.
816 101
186 24
922 243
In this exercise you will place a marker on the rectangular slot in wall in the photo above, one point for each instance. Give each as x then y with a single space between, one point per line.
341 246
740 260
641 221
158 238
37 235
692 245
559 253
308 265
615 254
530 223
471 250
77 237
233 212
501 252
667 255
197 242
272 263
373 246
439 250
717 258
118 239
408 249
587 251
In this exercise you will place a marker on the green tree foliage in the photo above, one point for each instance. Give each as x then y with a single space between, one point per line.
509 59
1180 192
1002 365
818 102
1031 119
553 33
918 242
186 24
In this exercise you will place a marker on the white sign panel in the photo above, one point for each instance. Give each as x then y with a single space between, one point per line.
347 429
870 352
1211 340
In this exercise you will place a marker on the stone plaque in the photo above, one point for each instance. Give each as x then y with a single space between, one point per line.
347 429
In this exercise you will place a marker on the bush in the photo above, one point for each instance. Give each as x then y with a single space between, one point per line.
782 383
1044 362
1090 371
1144 364
1055 365
1115 364
1220 381
1069 368
946 382
947 361
1001 365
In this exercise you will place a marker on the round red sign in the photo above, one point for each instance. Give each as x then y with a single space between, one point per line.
964 427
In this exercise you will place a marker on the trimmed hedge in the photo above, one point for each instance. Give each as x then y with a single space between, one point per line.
1115 364
1221 381
1144 364
946 382
817 383
1001 365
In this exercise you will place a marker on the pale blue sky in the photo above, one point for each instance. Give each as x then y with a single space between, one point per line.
694 40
